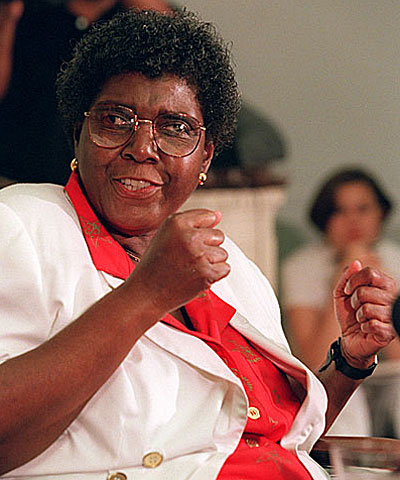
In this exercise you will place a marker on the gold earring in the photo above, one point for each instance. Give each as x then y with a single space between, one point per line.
202 178
74 164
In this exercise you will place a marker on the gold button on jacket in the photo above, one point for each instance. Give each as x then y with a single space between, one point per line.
117 476
251 442
152 460
253 413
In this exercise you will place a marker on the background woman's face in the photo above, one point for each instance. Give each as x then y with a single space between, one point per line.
358 217
136 186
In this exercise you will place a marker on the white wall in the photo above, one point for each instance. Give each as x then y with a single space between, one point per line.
327 73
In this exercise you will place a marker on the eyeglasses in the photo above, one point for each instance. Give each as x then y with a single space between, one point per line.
112 126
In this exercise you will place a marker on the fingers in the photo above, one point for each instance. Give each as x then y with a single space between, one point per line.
203 242
346 275
374 319
213 266
370 277
211 273
201 218
210 259
184 258
363 304
213 237
370 311
199 225
382 332
216 255
370 294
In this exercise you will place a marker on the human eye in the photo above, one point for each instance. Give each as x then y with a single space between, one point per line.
368 208
175 126
114 118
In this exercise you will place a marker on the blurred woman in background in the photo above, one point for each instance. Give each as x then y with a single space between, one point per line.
349 211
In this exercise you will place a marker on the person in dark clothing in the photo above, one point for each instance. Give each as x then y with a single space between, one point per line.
36 37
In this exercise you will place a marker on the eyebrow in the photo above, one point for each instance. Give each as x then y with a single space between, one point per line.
116 104
131 107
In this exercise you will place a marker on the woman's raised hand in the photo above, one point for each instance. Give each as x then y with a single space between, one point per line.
363 301
184 258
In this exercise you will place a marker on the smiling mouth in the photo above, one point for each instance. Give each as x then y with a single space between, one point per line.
134 185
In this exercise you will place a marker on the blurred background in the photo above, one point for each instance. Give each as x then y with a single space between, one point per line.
326 73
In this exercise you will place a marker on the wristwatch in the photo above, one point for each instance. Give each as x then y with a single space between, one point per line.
335 355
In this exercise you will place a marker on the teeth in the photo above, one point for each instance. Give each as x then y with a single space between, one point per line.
131 184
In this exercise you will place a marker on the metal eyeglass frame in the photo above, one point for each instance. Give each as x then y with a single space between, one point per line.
137 121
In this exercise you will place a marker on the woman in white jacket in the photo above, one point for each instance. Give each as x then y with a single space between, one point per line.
137 342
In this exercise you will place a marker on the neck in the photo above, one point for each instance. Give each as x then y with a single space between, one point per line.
89 9
135 246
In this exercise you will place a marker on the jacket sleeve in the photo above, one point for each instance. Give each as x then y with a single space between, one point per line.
24 320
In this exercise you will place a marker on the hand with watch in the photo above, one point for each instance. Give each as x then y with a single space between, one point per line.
363 300
335 355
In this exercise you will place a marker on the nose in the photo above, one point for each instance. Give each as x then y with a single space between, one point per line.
142 146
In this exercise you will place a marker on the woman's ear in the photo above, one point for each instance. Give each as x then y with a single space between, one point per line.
207 156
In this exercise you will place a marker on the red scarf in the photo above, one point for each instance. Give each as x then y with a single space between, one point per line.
107 254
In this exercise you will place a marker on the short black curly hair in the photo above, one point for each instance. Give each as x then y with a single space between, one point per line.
154 44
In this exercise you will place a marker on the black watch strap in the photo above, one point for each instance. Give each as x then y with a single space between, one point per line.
335 355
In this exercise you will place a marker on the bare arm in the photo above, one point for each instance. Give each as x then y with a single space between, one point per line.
10 13
311 331
339 389
43 390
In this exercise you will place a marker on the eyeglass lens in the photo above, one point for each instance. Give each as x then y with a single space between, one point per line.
112 126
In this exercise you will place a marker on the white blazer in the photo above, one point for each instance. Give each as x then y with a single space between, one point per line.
172 395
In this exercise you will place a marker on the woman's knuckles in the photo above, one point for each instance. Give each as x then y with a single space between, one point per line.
371 295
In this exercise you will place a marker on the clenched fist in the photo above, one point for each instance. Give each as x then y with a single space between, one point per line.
184 258
363 303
